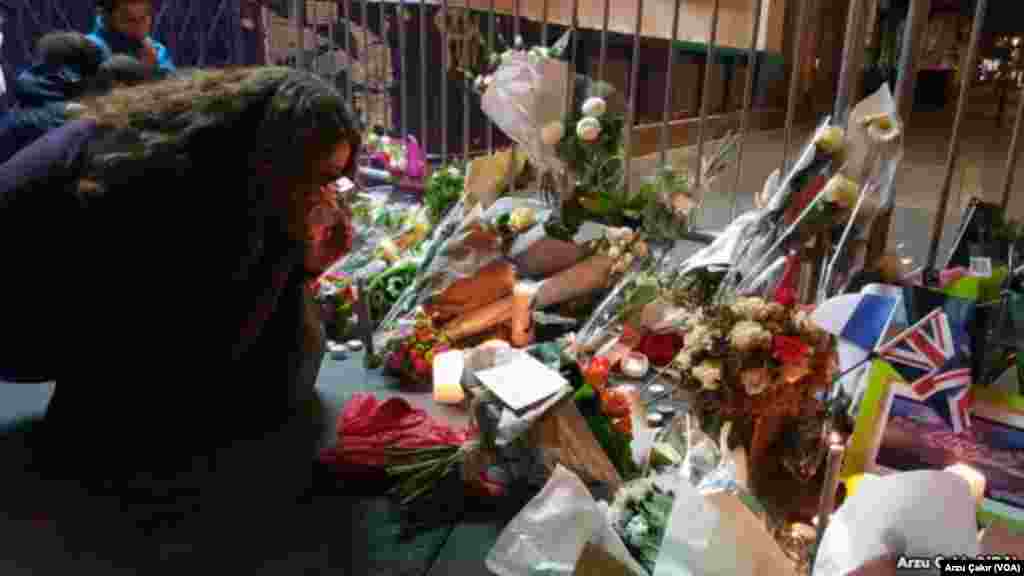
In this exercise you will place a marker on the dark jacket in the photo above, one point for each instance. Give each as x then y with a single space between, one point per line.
112 42
132 305
41 95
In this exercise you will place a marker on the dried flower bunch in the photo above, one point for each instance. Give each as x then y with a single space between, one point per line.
755 357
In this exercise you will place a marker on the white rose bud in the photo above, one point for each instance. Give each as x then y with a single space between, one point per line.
453 171
594 107
588 129
552 133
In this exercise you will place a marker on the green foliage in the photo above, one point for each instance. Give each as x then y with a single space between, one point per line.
443 190
660 220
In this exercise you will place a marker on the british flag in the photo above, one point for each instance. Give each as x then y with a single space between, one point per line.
928 357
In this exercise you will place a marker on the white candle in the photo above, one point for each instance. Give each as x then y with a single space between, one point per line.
975 479
448 367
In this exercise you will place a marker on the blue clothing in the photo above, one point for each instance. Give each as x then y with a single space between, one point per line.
41 94
112 42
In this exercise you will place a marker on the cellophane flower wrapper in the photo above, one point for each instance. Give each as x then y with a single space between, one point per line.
452 257
605 318
399 321
526 94
550 534
868 158
377 216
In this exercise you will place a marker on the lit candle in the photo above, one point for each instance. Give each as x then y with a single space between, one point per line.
975 479
448 367
522 314
635 365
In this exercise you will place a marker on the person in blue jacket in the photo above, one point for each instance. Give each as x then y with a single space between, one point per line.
123 27
67 68
64 67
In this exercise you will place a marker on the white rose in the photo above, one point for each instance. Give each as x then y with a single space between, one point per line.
552 133
385 140
453 171
594 107
588 129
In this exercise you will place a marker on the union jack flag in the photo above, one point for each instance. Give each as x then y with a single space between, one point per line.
928 358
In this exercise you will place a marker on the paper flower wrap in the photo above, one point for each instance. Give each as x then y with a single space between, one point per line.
525 95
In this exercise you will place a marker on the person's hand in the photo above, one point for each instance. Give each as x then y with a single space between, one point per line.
329 233
147 54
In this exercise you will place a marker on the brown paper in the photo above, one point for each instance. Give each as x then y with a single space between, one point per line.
752 537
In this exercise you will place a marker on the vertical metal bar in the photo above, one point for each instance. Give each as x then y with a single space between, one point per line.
349 60
296 14
515 20
604 40
954 145
333 58
634 81
490 50
748 96
852 39
444 81
794 80
1014 154
910 59
705 93
666 113
403 71
544 24
364 59
423 76
465 101
570 88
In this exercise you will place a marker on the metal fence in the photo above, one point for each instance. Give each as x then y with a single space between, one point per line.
414 93
415 97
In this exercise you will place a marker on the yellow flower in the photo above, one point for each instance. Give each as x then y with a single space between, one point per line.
709 373
522 218
842 191
831 140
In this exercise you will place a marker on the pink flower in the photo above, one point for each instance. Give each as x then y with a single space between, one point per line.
421 366
395 362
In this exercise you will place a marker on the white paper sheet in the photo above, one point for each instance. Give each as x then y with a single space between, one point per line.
522 382
922 513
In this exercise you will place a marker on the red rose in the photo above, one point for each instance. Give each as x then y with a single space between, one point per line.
789 350
660 349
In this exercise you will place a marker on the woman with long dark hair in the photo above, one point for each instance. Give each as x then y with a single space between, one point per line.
157 252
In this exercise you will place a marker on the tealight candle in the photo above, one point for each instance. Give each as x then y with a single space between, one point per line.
634 365
448 368
975 479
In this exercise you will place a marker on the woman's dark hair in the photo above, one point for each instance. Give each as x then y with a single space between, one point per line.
70 49
266 124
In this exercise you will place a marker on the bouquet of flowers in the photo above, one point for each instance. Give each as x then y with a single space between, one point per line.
640 516
403 158
411 357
